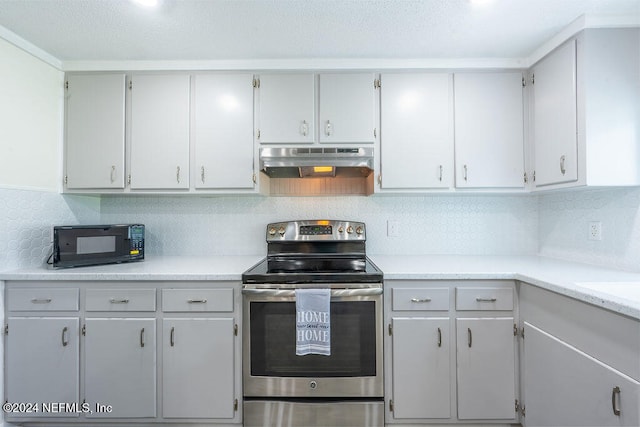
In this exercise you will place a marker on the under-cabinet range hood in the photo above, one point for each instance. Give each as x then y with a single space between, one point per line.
303 162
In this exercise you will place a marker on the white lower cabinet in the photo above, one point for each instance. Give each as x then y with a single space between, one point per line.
198 368
120 367
565 386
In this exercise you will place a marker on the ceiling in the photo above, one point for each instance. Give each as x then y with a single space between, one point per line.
119 30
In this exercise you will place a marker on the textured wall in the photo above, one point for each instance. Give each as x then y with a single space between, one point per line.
564 225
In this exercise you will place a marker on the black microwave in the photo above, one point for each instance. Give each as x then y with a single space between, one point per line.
81 245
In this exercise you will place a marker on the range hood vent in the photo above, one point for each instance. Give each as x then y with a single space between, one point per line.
305 162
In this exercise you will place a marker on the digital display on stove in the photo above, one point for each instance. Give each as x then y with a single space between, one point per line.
315 230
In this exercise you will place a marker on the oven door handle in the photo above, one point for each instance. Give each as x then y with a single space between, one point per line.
284 293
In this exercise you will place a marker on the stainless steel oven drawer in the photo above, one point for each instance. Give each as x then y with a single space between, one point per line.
279 413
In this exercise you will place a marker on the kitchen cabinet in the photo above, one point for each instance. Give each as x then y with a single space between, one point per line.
160 120
120 366
347 108
489 130
416 125
223 131
286 108
95 131
42 349
451 351
586 104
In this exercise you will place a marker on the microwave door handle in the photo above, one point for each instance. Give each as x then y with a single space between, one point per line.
284 293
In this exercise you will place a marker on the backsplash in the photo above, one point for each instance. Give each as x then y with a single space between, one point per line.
564 227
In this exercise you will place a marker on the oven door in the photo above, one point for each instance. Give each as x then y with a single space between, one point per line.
271 367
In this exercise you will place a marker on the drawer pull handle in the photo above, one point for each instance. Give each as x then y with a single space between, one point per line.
41 300
197 301
470 338
439 337
486 299
616 409
172 336
118 301
420 299
65 340
142 337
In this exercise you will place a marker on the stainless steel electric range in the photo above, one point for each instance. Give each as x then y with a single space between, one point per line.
343 388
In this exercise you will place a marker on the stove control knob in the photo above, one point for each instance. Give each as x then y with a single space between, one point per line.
341 229
272 231
281 231
350 229
313 384
359 230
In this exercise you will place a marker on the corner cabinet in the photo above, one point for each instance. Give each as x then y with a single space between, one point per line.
452 352
95 131
586 104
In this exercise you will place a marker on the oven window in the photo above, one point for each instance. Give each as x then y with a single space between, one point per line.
273 342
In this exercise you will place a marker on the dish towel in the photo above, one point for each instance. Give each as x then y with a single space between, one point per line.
313 322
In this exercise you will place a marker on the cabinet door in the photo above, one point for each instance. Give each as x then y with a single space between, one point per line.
223 131
486 368
198 368
421 368
564 386
42 361
554 121
347 104
120 367
489 130
160 131
416 131
94 150
287 108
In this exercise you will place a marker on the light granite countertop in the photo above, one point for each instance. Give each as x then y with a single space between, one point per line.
614 290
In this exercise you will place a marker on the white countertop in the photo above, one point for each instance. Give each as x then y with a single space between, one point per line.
614 290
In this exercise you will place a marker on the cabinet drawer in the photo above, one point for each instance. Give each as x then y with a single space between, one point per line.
120 300
42 299
420 299
484 299
197 300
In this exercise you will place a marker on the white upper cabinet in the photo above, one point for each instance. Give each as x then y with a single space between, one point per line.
160 131
287 108
555 112
347 108
489 130
95 131
416 125
223 131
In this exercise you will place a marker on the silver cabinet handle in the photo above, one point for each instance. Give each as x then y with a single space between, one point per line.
465 172
328 129
197 301
420 299
113 173
142 337
65 340
202 174
469 337
172 336
440 178
616 409
178 174
563 169
118 301
439 337
478 299
41 300
304 128
379 179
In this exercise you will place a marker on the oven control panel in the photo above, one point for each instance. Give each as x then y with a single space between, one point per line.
317 230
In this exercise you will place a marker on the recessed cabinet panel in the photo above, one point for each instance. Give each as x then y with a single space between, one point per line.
347 107
223 131
555 114
95 131
489 130
160 131
287 108
416 125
